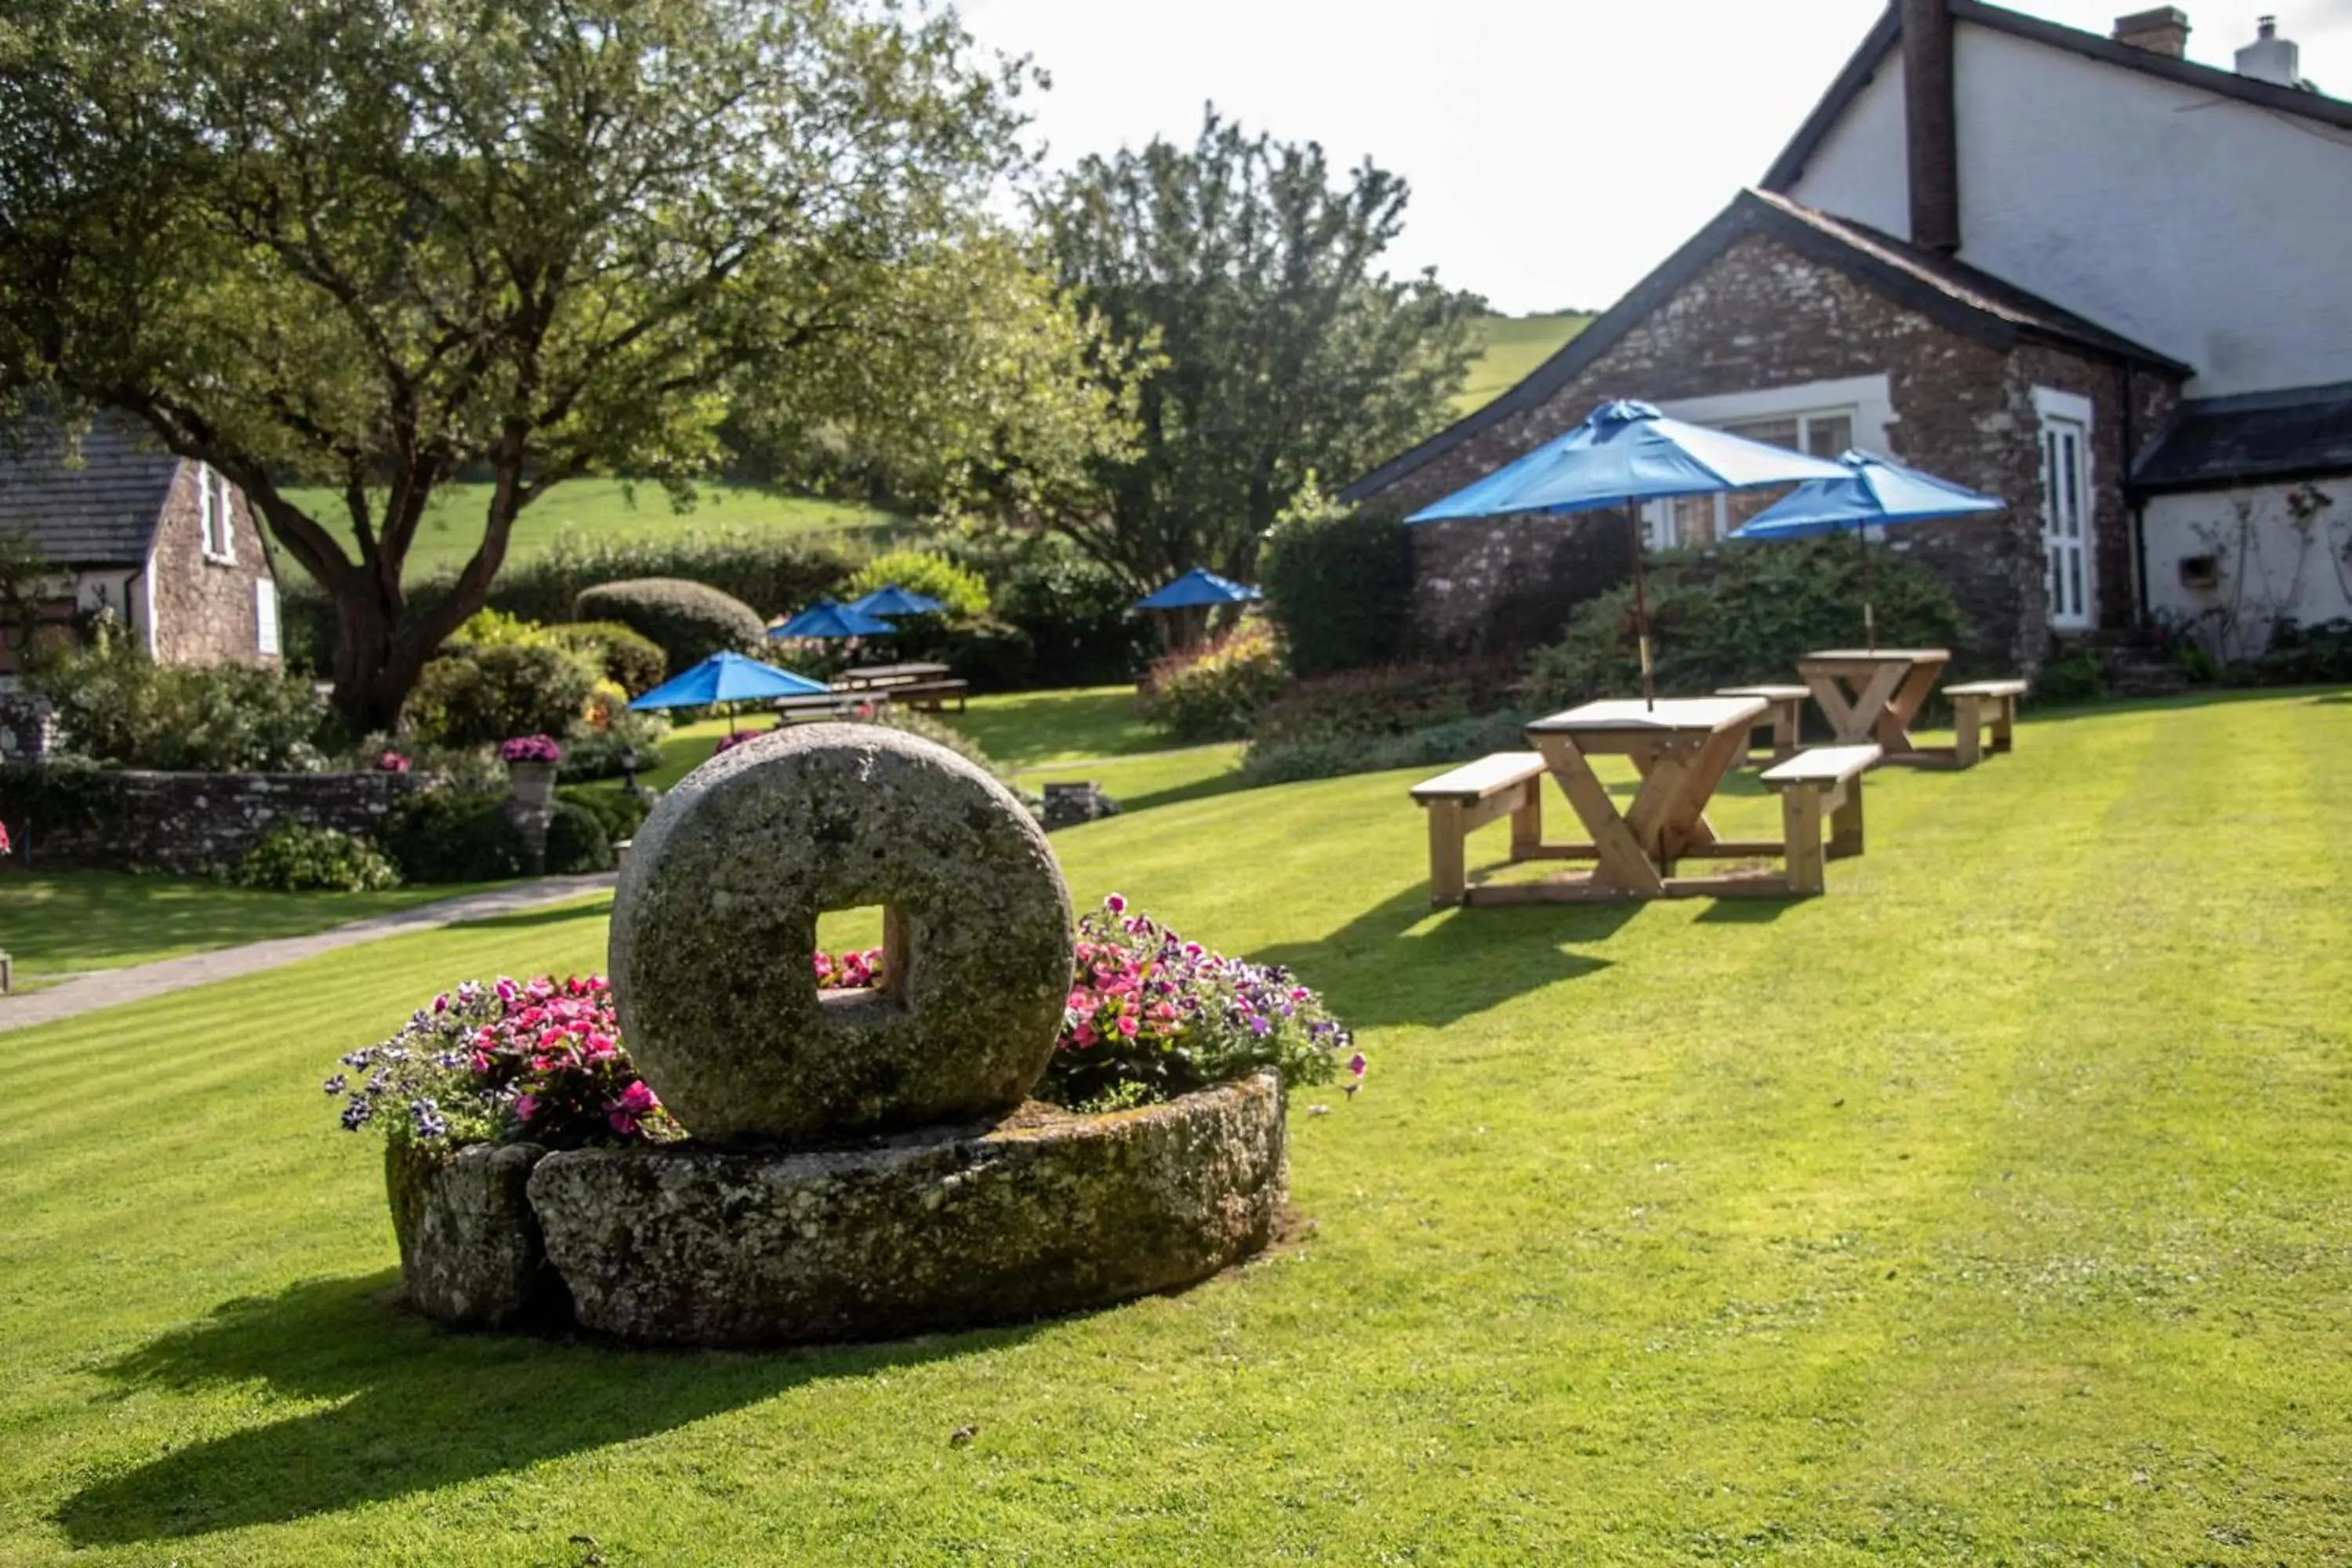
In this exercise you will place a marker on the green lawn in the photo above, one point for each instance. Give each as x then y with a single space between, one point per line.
1991 1209
57 923
1510 347
599 511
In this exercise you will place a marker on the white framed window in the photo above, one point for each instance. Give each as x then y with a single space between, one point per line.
265 618
2068 550
1822 418
215 515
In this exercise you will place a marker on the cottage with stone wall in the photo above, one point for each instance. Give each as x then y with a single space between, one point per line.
168 546
2081 274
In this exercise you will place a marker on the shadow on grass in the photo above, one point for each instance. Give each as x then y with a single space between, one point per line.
1225 782
1378 969
419 1407
546 915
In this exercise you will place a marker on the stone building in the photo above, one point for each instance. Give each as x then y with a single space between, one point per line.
2083 274
168 545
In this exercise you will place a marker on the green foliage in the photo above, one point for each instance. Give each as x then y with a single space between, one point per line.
2073 676
688 621
963 592
369 250
620 813
577 841
1387 699
24 572
1215 692
1335 753
629 659
116 705
1339 584
2318 653
1256 278
296 857
1077 616
1742 614
453 836
482 694
600 752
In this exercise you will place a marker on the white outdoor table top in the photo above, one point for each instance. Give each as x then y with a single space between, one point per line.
1883 655
1668 713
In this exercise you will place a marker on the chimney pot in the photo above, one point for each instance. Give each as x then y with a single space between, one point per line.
2163 31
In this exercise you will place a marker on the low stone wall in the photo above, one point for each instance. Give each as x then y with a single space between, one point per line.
109 820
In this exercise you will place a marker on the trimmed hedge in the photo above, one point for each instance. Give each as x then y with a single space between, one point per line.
1340 585
453 836
576 841
480 694
1387 699
629 659
688 621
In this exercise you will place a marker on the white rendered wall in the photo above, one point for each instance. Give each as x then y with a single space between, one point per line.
2213 230
2270 565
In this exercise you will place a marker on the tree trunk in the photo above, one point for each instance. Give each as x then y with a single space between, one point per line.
367 694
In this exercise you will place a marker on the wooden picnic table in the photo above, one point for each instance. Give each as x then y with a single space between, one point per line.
1682 748
1874 694
867 676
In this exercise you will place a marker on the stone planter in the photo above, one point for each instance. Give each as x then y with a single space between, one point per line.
1046 1212
532 784
470 1252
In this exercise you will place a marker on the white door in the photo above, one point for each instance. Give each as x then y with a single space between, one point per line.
2067 509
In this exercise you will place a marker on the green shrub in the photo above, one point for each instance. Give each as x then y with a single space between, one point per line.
599 753
577 842
621 813
2072 677
629 660
478 695
453 836
1075 619
295 857
1387 699
963 592
1338 583
1741 614
116 705
1215 692
688 621
2297 655
1334 755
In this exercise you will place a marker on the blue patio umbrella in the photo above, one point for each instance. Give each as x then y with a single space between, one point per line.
1198 588
830 618
728 678
1623 454
894 600
1874 491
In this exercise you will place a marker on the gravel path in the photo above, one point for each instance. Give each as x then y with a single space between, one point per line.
138 982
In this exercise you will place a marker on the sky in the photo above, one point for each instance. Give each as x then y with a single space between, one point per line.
1557 149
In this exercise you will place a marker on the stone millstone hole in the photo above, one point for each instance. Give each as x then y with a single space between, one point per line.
854 929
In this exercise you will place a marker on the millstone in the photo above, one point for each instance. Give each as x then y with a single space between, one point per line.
716 917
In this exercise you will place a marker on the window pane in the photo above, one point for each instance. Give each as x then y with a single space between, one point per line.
1694 522
1771 432
1827 434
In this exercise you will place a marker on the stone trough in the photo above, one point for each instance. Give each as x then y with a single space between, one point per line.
863 1165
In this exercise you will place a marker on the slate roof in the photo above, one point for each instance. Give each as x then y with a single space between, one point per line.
1951 292
2299 433
100 511
1882 44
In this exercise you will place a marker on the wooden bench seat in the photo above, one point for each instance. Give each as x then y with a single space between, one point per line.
931 695
1504 784
1824 781
1980 706
1786 713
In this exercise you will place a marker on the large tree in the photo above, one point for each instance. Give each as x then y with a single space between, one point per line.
1285 351
381 243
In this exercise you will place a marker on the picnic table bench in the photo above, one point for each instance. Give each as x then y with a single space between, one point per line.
867 677
1471 795
930 695
1786 709
1824 781
1888 686
1982 707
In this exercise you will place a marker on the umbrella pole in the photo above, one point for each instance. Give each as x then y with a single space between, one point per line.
1641 603
1869 614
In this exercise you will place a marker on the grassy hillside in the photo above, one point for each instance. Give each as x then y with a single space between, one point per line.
600 512
1514 346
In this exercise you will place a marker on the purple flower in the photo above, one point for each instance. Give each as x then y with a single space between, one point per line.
530 749
337 1084
1115 904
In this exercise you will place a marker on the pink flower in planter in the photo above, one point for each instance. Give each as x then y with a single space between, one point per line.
530 749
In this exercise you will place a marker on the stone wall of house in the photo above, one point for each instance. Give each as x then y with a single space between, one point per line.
205 609
186 823
1763 317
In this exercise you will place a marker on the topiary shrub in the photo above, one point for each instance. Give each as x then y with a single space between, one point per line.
962 592
1215 692
296 857
453 836
686 620
577 842
629 659
480 694
1338 583
1741 614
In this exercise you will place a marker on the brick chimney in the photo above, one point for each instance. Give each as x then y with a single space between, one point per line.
2163 31
2271 59
1931 125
